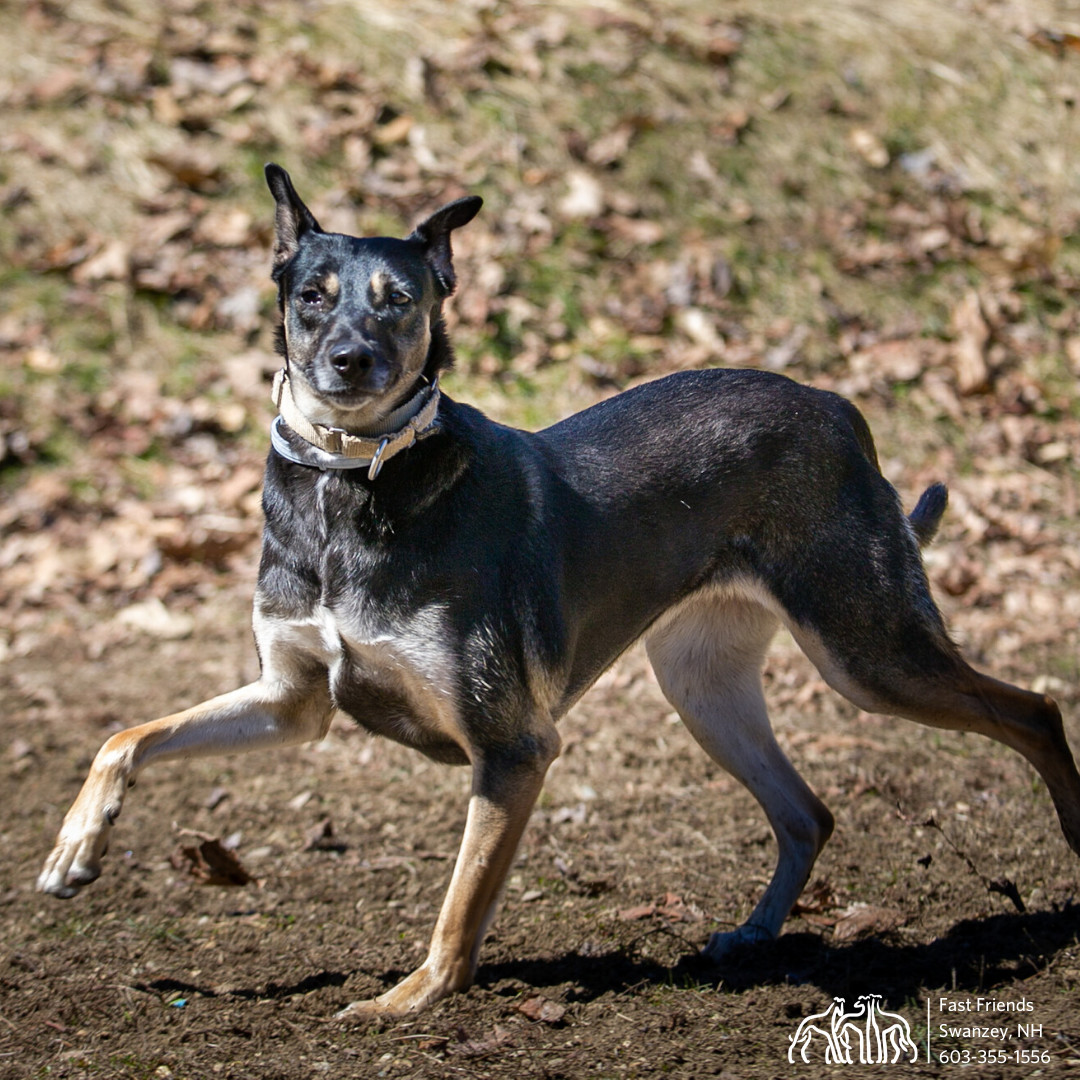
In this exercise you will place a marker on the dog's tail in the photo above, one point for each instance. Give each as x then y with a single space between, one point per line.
926 517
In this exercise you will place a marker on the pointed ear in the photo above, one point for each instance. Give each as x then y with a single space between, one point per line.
434 234
291 220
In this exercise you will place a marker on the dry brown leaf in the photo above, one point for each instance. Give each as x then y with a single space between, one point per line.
320 837
57 84
227 227
476 1048
193 166
641 911
818 898
152 617
209 539
897 360
869 147
19 749
542 1009
210 862
584 197
969 348
730 128
394 131
1057 42
611 147
863 919
636 230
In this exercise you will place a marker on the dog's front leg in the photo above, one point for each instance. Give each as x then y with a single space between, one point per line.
270 712
504 789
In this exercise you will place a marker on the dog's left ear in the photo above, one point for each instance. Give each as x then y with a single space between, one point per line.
434 234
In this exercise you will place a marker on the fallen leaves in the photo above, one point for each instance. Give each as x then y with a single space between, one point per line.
869 147
971 334
584 196
139 553
598 264
321 837
153 618
542 1010
820 907
672 908
483 1047
209 861
864 920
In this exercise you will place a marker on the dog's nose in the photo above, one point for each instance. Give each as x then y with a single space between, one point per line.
351 358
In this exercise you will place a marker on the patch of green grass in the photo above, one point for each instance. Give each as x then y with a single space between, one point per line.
1064 666
134 1066
167 932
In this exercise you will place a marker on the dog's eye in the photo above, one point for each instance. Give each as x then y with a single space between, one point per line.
399 298
311 297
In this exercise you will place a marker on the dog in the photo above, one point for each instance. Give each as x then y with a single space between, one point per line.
456 585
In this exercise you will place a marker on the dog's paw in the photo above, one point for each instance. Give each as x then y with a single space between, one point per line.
722 945
70 866
75 861
362 1012
422 988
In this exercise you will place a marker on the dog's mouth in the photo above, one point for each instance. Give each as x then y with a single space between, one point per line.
355 404
349 397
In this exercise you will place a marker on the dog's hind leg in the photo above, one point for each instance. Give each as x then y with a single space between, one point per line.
858 602
919 675
708 655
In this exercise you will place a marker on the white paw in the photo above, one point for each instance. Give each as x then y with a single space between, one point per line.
426 985
75 861
721 946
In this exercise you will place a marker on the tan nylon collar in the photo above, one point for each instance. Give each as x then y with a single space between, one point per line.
414 420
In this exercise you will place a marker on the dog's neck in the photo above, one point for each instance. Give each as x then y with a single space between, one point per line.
322 447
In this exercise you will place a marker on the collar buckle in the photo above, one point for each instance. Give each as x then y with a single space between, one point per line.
377 461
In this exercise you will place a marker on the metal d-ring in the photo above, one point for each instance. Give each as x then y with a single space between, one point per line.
376 461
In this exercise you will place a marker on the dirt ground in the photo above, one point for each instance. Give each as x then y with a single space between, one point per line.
639 848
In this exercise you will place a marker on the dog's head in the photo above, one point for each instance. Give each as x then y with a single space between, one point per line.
361 317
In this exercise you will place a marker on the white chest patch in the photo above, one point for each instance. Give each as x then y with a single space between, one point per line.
395 677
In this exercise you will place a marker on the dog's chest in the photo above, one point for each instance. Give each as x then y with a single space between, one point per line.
393 674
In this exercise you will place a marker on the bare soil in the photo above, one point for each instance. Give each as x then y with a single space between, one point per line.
639 848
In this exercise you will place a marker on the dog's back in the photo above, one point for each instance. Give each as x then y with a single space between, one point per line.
708 477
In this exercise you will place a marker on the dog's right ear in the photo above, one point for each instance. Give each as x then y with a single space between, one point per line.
291 220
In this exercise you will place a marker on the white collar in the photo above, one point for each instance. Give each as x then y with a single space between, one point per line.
334 448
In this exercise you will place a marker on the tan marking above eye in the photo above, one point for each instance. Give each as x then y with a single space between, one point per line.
385 290
380 285
320 289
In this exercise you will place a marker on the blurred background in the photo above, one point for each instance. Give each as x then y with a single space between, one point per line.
877 199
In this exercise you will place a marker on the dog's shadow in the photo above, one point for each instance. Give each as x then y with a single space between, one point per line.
174 988
974 955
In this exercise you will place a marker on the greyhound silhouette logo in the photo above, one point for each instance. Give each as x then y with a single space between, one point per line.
866 1034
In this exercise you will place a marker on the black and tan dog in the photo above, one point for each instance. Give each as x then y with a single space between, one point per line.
457 585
